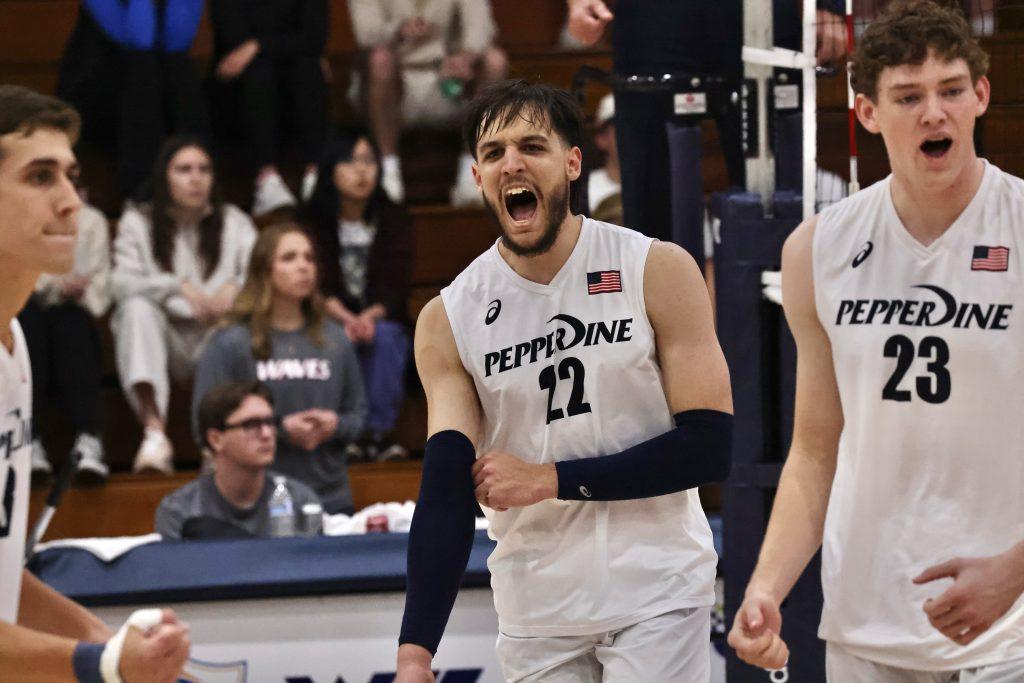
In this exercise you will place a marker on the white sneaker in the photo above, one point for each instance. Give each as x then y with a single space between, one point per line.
465 193
271 194
40 463
391 451
91 468
391 181
156 454
308 184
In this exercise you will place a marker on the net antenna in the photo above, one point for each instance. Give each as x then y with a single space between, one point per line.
759 57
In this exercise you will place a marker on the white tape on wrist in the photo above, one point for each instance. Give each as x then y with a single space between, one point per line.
143 620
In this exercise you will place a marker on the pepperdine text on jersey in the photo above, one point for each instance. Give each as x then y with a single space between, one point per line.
927 313
539 348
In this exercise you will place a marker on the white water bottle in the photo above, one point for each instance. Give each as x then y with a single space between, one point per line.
282 510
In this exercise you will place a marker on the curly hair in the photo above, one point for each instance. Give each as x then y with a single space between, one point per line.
904 33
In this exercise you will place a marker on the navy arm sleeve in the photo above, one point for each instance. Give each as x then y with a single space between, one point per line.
440 539
697 451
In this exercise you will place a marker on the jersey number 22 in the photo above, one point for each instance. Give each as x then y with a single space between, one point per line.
568 368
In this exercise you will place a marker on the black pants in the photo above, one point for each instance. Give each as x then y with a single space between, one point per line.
273 89
640 119
160 96
132 100
64 350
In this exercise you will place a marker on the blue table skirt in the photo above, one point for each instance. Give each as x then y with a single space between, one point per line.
241 569
245 569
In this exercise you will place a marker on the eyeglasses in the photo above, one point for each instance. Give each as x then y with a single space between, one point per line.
254 425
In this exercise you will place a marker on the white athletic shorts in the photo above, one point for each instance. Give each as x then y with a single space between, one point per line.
671 647
843 667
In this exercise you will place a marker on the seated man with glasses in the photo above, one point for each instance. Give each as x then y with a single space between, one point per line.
237 425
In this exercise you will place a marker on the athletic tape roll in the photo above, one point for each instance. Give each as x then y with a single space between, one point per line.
143 620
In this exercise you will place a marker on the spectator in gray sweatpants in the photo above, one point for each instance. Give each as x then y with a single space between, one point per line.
178 264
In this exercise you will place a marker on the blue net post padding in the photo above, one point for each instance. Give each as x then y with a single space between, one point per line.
762 362
687 188
788 144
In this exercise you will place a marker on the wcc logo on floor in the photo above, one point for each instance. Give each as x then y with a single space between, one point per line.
450 676
198 671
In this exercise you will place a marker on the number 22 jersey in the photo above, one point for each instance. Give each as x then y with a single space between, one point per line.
928 348
569 370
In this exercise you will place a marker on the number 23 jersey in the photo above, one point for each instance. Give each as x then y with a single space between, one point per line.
569 370
928 348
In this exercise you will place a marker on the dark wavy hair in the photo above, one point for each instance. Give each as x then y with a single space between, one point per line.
903 34
321 212
538 103
217 404
164 227
26 110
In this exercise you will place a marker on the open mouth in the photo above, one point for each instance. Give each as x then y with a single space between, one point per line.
936 149
520 203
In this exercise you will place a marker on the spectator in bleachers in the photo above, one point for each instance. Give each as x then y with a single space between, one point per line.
237 426
126 68
604 184
64 347
366 256
422 59
274 49
178 263
278 334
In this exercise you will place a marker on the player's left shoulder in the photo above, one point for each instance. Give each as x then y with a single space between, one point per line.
613 232
1009 185
669 265
674 289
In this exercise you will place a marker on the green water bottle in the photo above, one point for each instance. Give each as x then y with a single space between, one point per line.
452 88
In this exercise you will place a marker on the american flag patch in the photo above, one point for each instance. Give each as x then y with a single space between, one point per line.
604 281
990 258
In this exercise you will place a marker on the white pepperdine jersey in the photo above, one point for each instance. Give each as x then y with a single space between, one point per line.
928 347
15 468
569 370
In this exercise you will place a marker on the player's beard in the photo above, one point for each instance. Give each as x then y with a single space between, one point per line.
557 204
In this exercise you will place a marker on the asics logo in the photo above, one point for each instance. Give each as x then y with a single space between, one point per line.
493 309
863 254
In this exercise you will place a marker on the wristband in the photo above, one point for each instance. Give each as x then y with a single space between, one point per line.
86 662
143 620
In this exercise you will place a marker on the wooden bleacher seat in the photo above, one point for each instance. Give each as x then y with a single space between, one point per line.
126 505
